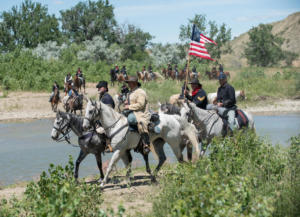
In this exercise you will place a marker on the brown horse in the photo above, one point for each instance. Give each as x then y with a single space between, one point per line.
55 100
77 83
164 72
120 78
74 103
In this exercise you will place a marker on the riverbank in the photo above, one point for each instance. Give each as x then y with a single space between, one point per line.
27 106
136 198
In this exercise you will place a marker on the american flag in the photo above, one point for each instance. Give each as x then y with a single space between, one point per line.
197 45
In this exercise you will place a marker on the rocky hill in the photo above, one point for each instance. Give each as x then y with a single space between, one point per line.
289 29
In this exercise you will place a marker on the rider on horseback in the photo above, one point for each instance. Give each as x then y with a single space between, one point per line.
55 86
198 94
104 95
194 72
225 101
108 100
124 92
138 108
79 74
124 72
117 69
169 67
176 71
220 68
68 78
151 72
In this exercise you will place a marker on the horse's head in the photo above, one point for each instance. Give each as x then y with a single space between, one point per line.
60 125
92 112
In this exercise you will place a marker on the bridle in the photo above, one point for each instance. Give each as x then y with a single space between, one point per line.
97 111
64 131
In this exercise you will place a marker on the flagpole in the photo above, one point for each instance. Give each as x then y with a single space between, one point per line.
186 71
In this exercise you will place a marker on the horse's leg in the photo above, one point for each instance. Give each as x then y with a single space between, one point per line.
146 159
80 158
177 151
127 160
189 149
159 149
116 156
99 164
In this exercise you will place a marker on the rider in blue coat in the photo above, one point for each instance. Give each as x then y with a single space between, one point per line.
104 95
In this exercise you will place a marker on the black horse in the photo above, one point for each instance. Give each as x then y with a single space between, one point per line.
89 142
113 77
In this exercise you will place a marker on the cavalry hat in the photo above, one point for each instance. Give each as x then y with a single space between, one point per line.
195 81
222 76
102 84
133 79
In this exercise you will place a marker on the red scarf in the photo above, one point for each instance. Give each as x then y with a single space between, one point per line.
195 91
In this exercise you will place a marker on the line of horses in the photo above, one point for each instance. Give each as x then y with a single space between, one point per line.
76 102
173 128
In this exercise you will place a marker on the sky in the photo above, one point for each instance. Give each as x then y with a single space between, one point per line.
163 18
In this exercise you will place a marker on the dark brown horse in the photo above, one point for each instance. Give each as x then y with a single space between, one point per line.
78 82
55 100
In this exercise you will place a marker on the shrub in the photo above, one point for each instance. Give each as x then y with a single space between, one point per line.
57 194
240 177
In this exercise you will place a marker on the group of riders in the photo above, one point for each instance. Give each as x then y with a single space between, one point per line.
136 104
194 73
71 92
116 72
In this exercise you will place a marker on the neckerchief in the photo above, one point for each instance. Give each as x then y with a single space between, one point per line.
195 91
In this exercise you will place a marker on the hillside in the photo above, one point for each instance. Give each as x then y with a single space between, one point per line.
289 29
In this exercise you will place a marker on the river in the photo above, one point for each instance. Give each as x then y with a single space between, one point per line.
26 149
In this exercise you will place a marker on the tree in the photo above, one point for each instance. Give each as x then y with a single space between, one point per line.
27 26
263 48
220 34
89 19
133 41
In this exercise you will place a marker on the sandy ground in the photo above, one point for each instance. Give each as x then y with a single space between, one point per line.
19 106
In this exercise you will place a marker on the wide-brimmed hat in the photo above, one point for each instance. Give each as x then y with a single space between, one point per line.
222 76
195 81
133 79
102 84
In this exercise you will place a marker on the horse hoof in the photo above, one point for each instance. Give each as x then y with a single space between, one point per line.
102 184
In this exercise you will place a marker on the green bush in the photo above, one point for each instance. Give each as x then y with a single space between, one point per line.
57 193
240 177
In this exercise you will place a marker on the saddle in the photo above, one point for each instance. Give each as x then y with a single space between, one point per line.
241 119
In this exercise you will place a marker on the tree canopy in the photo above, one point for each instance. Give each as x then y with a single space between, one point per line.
27 26
88 19
264 48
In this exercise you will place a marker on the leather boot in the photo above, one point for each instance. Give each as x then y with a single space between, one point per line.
146 142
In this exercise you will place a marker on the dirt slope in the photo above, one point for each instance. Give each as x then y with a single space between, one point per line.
289 29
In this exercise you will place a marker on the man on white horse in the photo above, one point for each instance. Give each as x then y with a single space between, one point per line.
104 95
106 98
226 102
137 102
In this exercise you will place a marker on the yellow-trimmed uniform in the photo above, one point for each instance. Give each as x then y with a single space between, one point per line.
200 99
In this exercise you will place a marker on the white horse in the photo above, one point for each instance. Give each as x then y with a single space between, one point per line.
122 139
208 122
239 95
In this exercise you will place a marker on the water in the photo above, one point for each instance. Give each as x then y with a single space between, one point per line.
26 149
